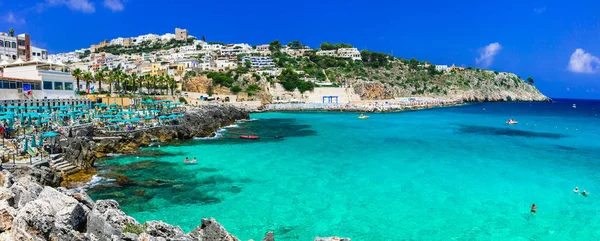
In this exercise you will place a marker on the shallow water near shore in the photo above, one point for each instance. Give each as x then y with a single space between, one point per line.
457 173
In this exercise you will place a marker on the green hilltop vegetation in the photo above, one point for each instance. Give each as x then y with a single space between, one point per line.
376 75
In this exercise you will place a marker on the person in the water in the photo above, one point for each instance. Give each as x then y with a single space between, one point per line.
194 161
533 208
187 160
576 190
584 193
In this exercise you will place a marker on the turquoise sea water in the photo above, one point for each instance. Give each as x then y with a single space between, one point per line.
454 173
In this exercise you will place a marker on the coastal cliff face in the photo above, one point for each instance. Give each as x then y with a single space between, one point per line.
89 143
197 122
32 211
471 85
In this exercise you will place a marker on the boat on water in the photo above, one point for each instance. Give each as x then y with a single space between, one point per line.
362 116
250 137
574 106
512 122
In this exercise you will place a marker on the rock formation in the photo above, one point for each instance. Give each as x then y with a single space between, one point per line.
32 212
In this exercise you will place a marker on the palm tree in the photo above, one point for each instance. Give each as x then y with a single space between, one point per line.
87 76
172 84
11 32
77 73
163 84
112 78
100 78
141 81
133 80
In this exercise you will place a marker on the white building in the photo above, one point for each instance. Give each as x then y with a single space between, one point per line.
258 62
147 37
46 79
117 41
352 53
167 37
442 68
331 53
213 47
222 65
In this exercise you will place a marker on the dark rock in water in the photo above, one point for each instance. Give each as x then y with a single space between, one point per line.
211 230
139 192
106 220
269 237
124 181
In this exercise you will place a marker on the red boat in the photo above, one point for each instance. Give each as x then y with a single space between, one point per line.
251 137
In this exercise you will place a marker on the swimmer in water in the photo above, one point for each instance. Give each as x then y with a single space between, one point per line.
533 209
187 160
576 190
584 193
194 161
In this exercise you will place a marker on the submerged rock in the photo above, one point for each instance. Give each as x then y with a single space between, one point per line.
269 237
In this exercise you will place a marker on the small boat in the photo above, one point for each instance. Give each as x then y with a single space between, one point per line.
251 137
574 106
512 122
361 116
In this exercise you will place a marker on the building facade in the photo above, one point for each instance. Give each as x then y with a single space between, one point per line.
39 80
258 62
19 47
181 34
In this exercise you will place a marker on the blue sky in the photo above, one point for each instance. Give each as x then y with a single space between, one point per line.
555 42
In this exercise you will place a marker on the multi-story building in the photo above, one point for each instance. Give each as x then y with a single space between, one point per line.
441 68
147 37
295 52
160 68
258 62
222 65
181 34
13 47
351 53
262 48
127 42
44 79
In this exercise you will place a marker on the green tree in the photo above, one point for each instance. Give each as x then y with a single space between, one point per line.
235 89
172 84
252 89
530 80
99 77
274 46
133 79
247 64
296 44
11 32
77 73
87 77
413 64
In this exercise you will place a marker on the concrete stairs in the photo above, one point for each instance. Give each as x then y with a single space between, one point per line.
57 162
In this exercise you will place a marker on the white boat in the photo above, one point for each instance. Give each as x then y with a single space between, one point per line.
574 106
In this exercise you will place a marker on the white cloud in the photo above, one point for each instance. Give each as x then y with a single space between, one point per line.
487 54
114 5
77 5
11 18
539 10
582 62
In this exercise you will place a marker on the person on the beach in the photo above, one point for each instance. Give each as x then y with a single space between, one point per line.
576 190
187 160
584 193
533 208
194 161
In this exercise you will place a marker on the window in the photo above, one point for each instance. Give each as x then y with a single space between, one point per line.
14 45
47 85
7 44
21 42
4 84
19 85
68 86
1 43
58 85
13 85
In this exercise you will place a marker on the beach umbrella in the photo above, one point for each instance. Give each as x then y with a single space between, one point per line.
25 145
33 143
41 142
50 134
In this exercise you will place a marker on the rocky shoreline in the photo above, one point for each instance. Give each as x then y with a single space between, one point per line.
32 210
